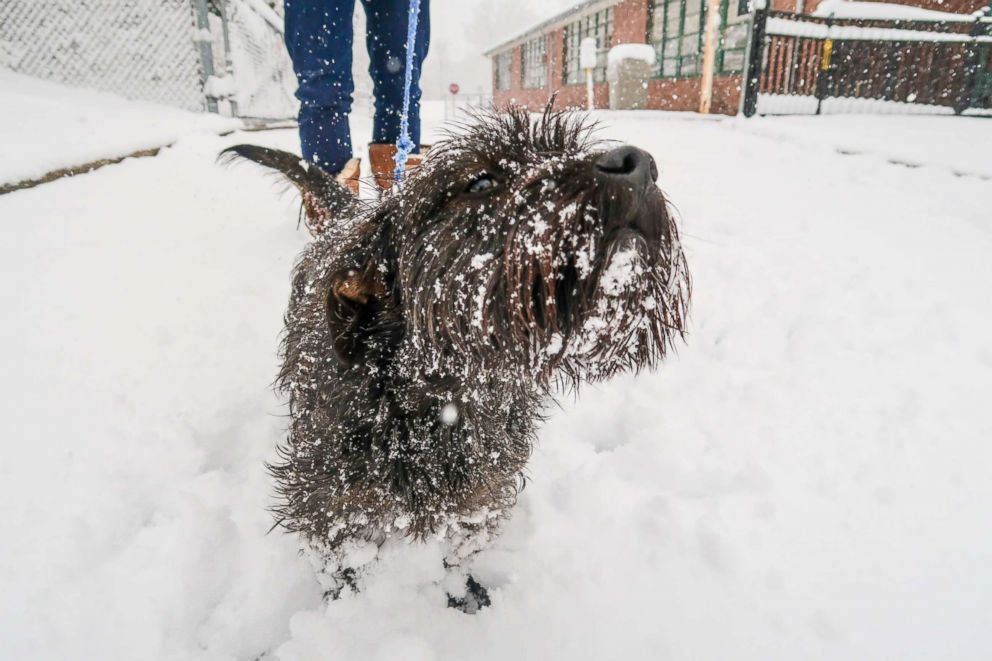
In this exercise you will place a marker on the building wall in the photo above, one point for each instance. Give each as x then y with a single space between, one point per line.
569 96
630 24
574 96
683 94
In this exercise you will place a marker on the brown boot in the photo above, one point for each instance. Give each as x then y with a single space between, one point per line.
382 159
348 176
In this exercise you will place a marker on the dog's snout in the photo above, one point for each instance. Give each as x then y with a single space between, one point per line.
627 163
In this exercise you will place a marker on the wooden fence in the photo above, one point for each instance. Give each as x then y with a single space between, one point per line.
800 64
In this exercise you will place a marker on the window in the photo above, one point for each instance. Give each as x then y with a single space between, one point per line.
598 25
733 40
501 70
535 63
677 33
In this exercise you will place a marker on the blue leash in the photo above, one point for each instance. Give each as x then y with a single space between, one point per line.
404 145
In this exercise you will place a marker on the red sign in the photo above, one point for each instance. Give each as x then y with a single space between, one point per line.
453 88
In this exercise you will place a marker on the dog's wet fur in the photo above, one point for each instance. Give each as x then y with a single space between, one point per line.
426 331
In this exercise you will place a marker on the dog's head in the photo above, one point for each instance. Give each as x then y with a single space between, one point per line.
519 243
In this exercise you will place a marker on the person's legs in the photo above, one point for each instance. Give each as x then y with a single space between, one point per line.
387 22
319 38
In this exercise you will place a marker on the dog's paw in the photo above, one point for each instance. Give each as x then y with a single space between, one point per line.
475 598
343 580
342 569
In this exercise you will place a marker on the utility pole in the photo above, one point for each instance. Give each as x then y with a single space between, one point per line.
587 61
709 54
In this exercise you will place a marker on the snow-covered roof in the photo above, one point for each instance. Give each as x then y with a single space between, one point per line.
884 10
561 18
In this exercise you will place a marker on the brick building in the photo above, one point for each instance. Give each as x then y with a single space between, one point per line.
544 59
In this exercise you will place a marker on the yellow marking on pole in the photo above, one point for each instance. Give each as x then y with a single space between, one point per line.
828 49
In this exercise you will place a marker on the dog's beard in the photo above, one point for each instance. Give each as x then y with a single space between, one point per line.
635 307
563 303
591 301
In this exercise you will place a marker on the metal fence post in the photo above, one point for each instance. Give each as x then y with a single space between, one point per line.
971 64
202 16
823 71
755 48
228 60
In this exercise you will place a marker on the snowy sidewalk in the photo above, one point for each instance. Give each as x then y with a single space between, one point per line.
959 145
45 127
807 479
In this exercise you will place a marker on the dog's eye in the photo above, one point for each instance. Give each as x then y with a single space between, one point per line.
483 184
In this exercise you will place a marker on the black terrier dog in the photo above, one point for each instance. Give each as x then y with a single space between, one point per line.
425 332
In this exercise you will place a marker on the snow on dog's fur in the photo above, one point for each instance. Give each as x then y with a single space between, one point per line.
425 331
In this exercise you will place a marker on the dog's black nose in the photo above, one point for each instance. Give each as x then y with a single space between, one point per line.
629 164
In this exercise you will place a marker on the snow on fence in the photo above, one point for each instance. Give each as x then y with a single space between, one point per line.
264 81
790 28
217 55
801 64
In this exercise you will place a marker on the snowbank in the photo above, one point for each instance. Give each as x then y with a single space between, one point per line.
47 126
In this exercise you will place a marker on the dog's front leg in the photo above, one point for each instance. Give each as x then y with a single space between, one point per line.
464 538
342 565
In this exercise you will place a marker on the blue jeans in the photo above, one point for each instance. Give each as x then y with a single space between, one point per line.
319 39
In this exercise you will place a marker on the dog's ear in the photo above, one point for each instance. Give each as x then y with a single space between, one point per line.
353 298
324 199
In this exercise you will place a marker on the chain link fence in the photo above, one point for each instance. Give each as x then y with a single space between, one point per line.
218 55
264 82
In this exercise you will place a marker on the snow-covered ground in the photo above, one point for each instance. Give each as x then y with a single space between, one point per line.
959 145
45 126
807 479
